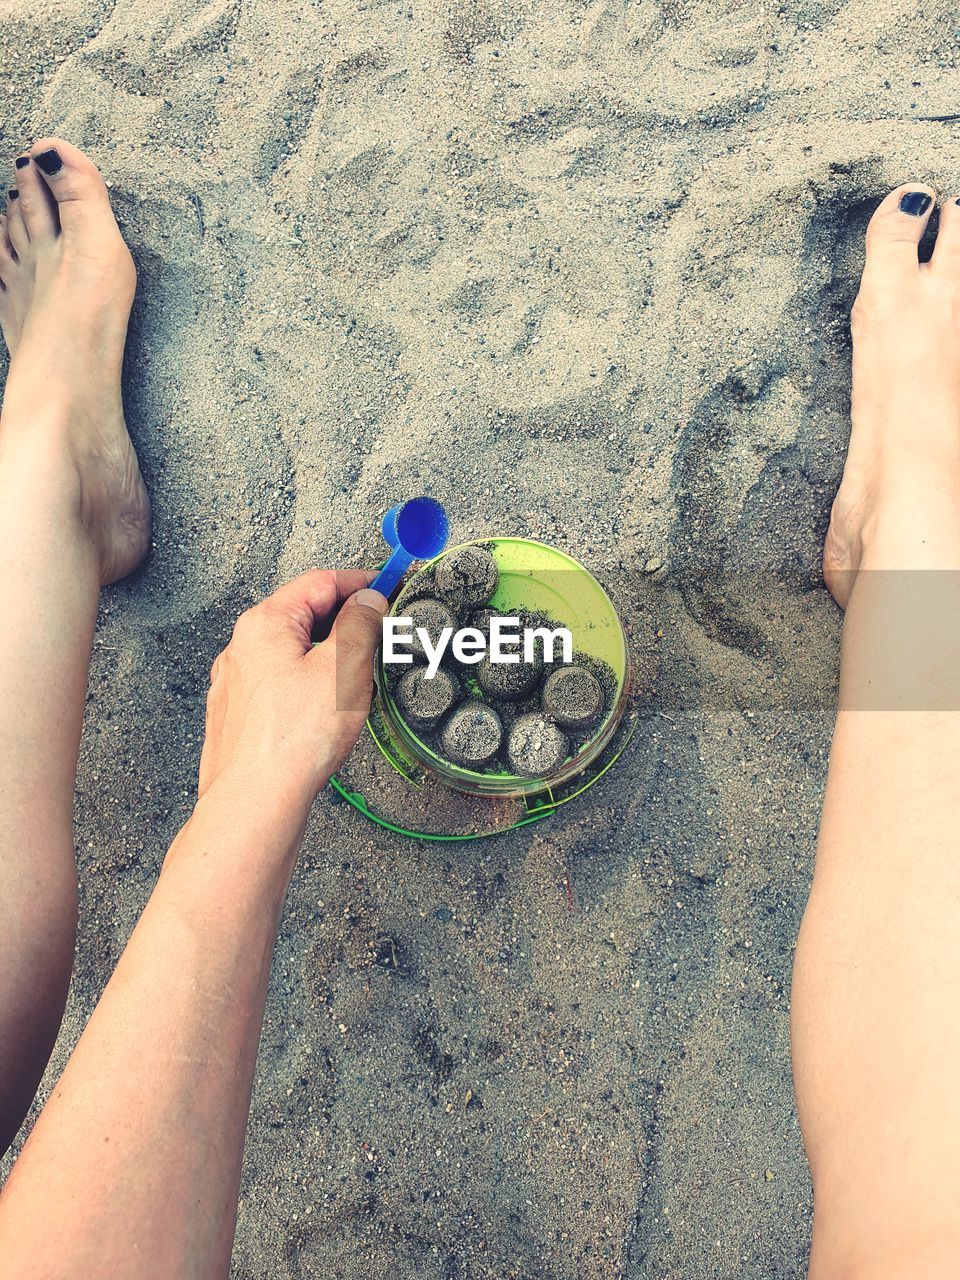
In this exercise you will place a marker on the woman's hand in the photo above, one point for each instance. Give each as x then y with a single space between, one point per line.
282 713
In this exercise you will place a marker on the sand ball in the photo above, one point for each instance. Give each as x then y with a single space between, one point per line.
573 697
467 578
480 620
423 701
535 746
431 614
472 734
510 681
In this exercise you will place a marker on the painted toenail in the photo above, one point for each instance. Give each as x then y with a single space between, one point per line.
14 194
22 161
50 163
913 202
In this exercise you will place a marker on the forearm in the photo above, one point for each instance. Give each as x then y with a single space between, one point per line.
136 1158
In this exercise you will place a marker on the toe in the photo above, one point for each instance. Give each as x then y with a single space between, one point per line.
8 255
73 180
897 227
946 254
8 262
38 211
16 230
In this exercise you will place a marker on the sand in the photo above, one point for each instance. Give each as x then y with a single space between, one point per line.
582 271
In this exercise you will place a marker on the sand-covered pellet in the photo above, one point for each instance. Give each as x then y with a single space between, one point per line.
572 696
467 578
536 746
480 620
472 734
509 681
423 700
433 616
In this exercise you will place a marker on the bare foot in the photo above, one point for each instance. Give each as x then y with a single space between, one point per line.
68 284
902 472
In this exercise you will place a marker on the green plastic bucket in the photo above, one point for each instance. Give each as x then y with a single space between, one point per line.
542 580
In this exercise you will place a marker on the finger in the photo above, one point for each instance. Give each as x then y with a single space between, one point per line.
355 637
290 615
308 599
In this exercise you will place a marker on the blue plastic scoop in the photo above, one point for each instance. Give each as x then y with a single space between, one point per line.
416 530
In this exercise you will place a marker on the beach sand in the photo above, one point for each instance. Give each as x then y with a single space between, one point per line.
583 272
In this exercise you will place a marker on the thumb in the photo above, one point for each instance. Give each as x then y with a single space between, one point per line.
355 636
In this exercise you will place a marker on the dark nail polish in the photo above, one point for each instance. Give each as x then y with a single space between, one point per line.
22 161
50 163
915 203
14 194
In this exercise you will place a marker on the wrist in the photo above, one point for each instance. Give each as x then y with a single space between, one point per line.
281 800
253 833
271 811
238 850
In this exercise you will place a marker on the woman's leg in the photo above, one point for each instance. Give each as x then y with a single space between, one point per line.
73 514
876 1002
132 1171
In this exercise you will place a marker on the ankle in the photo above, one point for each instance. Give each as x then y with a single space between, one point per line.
912 522
40 454
49 486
